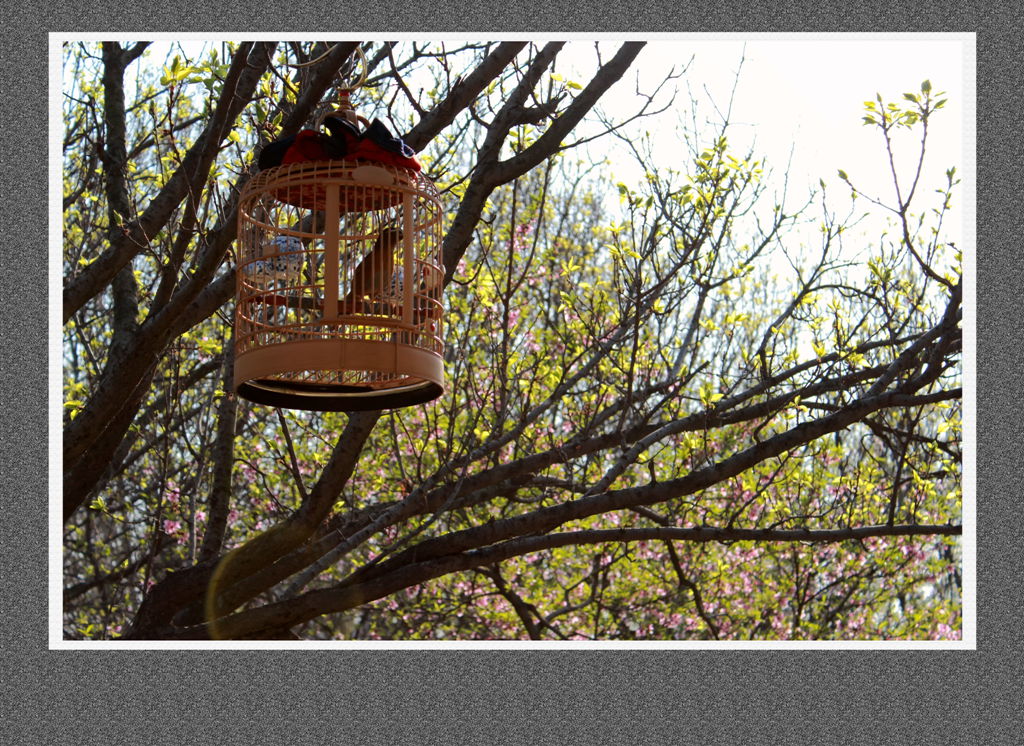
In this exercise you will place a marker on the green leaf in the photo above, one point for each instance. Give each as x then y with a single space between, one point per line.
926 86
843 176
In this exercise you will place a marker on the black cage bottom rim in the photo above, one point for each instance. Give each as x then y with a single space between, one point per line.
337 398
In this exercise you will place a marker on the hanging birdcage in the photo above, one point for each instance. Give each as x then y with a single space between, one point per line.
339 285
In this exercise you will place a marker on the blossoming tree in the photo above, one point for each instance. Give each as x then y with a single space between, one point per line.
649 431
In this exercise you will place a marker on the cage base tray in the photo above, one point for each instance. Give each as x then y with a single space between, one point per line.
337 397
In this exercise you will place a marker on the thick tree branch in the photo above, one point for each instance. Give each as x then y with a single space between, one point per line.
186 589
223 457
462 95
198 298
491 174
550 142
246 70
268 547
315 603
546 519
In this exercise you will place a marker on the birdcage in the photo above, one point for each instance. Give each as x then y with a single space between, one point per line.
339 287
339 273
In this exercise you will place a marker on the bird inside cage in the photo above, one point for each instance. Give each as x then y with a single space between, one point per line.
372 275
282 262
378 283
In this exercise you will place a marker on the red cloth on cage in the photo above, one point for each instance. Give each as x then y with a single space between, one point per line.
376 145
310 145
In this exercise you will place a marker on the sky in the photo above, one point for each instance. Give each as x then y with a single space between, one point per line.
797 104
799 101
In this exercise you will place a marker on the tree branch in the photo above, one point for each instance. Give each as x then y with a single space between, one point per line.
462 95
315 603
126 242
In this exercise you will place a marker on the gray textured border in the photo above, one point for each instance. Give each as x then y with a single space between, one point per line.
475 697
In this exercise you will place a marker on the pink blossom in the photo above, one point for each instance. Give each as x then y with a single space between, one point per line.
171 527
